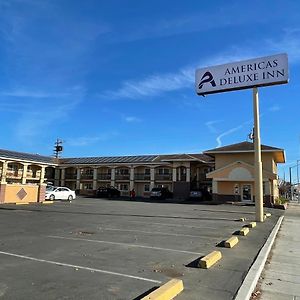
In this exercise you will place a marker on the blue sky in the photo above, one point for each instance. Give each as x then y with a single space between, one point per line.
117 77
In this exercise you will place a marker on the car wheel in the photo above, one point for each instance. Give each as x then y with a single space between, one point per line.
51 197
70 198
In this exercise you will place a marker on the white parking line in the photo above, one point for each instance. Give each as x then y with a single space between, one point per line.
122 244
174 225
150 232
78 267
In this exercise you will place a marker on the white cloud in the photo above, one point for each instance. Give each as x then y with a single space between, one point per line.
89 140
157 84
132 119
31 94
230 131
274 108
210 126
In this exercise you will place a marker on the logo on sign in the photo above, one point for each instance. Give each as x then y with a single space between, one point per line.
207 78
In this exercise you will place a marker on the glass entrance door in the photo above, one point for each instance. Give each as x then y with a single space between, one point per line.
246 194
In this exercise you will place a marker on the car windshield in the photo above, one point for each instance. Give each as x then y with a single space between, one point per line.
156 190
50 188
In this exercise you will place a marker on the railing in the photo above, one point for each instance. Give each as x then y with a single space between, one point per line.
182 177
141 176
122 177
103 176
86 176
32 175
163 177
70 176
14 174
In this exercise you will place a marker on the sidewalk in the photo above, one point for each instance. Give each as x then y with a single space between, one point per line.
280 279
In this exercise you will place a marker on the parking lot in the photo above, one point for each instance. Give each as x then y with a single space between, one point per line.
118 249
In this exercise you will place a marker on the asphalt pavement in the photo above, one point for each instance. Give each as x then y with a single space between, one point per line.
115 249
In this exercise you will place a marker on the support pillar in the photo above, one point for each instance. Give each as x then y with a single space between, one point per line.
174 174
259 210
63 176
188 174
4 171
56 176
131 178
113 176
152 177
24 175
78 179
95 170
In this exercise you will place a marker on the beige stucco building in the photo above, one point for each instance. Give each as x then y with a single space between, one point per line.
228 171
233 177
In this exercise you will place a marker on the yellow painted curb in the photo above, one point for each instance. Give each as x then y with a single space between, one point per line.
167 291
210 259
231 242
47 202
268 215
251 225
21 203
244 231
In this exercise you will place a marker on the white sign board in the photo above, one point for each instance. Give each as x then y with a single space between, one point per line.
246 74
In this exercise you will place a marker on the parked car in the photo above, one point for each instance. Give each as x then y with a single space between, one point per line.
161 193
196 194
59 192
108 192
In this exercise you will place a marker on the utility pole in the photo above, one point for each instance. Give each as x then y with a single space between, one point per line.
58 148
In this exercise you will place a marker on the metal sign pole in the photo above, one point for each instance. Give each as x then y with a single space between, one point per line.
257 161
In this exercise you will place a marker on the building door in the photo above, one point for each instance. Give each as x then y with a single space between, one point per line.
246 192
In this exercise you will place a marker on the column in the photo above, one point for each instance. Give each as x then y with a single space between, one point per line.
174 174
63 176
24 175
179 174
131 178
42 187
42 176
4 170
56 176
259 209
215 186
152 177
95 170
188 174
113 176
78 179
3 182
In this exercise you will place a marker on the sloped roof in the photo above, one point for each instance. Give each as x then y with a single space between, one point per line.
187 157
136 159
247 147
109 159
243 146
8 154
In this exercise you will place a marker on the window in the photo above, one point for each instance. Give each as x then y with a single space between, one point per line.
147 171
88 171
122 171
163 171
87 186
123 187
147 187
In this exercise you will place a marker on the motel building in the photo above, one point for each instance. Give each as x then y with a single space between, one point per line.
226 171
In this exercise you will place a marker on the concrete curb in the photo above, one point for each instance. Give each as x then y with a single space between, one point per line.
250 281
210 259
167 291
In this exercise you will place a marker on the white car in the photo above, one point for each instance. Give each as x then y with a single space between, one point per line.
62 193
